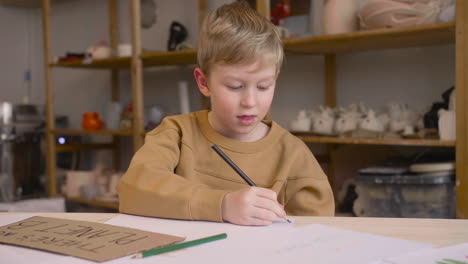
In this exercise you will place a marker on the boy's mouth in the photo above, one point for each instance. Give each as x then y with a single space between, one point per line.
246 120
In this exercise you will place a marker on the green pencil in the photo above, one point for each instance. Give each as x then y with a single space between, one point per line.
187 244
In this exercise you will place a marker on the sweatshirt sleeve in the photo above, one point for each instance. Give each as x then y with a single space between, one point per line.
308 192
151 188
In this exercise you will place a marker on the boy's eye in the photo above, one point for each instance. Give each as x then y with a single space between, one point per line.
263 87
234 87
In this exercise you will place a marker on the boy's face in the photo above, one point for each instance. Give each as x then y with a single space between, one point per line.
240 96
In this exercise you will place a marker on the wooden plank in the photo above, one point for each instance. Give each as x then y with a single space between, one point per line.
398 142
114 132
50 112
443 33
27 3
110 63
169 58
114 39
202 12
330 101
115 92
137 76
462 108
426 35
83 147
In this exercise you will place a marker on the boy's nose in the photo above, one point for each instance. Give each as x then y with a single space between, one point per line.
248 98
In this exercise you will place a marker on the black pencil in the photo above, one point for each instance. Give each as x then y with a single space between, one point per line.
236 169
233 165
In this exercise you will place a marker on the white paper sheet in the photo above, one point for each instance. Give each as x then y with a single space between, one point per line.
189 229
309 244
279 243
436 255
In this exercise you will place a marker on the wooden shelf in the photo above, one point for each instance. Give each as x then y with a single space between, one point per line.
110 63
27 3
182 57
426 35
86 132
434 34
81 147
371 141
104 204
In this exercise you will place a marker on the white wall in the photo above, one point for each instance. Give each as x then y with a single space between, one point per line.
416 76
14 50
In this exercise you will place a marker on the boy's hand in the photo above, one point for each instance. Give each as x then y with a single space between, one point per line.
252 206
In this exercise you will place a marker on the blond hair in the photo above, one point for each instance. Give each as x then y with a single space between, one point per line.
237 34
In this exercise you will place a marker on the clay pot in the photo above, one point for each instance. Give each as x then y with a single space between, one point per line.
340 16
91 121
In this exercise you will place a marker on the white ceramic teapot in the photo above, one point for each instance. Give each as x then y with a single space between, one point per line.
323 123
347 122
301 123
371 123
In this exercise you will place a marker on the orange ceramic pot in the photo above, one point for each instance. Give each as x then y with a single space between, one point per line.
91 121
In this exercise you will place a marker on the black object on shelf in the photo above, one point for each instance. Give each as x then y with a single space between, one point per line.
177 34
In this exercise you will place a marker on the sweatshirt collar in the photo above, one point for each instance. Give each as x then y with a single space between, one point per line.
235 145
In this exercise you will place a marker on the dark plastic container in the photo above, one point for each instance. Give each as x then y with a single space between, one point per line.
428 195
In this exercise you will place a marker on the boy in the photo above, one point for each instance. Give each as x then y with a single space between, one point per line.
176 174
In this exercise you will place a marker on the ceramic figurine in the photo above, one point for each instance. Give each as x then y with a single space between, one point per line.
371 122
452 101
385 120
397 125
447 13
99 51
447 124
340 16
391 14
347 122
323 123
301 123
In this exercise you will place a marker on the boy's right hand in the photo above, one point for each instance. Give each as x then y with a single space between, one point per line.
252 206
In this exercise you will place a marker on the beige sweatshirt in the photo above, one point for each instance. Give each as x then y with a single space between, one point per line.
177 175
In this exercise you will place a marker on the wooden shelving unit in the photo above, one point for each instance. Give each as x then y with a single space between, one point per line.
416 36
369 141
82 147
113 64
327 46
87 132
170 58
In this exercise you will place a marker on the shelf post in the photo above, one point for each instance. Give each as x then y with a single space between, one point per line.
137 76
330 101
263 8
49 100
462 107
202 9
115 92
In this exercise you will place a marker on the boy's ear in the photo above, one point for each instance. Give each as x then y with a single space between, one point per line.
202 82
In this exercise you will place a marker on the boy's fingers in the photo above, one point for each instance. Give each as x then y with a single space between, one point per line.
267 193
270 205
259 222
264 214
